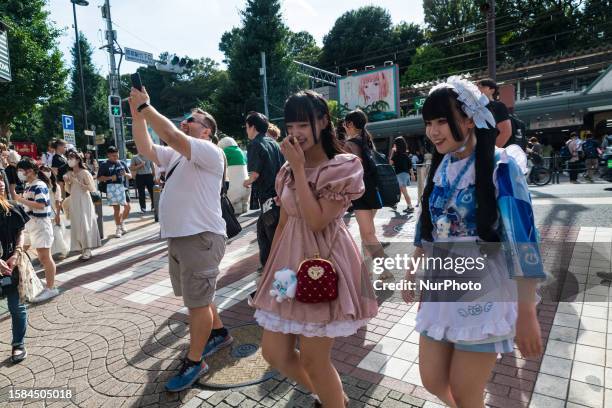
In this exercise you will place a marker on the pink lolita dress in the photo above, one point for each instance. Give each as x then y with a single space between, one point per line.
340 178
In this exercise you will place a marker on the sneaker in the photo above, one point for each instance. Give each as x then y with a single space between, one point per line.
46 294
118 232
216 343
186 376
123 229
409 209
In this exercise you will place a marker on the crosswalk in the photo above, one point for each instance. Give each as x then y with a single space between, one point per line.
132 250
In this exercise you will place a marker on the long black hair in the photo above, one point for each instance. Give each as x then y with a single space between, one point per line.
27 163
359 119
308 106
443 103
400 145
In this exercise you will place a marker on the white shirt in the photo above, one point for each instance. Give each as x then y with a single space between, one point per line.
191 200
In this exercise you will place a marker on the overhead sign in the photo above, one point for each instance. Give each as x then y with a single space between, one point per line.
376 92
141 57
5 62
68 127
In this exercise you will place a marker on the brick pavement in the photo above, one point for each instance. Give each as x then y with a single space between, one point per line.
116 332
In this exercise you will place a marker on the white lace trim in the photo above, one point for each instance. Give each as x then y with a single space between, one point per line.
475 333
340 328
453 171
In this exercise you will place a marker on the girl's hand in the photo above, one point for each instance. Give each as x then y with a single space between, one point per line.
5 269
12 261
528 334
293 153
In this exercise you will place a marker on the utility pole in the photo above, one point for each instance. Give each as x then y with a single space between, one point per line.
116 123
78 47
262 72
489 8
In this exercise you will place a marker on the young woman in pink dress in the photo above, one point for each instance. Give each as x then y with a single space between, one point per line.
314 187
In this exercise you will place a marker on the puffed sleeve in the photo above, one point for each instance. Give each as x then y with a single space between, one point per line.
282 178
341 179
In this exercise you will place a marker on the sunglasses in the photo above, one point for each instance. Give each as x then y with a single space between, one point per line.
191 119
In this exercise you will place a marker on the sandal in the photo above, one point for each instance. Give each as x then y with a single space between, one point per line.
18 354
318 404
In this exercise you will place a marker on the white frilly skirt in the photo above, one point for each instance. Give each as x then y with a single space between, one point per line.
342 328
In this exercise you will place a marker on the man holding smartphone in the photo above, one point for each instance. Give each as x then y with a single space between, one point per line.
189 217
114 173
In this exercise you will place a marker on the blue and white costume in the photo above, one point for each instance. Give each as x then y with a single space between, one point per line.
487 325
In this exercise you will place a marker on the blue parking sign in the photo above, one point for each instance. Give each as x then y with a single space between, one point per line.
68 126
67 122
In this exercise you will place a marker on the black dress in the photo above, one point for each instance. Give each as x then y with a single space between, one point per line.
370 200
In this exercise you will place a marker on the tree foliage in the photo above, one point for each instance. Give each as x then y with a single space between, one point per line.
262 30
96 93
367 36
38 73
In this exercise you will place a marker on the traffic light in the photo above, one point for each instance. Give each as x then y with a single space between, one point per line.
114 103
174 64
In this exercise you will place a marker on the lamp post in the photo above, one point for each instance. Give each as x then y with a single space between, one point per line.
78 47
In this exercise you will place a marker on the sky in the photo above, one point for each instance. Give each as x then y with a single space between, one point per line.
194 27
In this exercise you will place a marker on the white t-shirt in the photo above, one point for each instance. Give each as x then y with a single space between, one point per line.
191 200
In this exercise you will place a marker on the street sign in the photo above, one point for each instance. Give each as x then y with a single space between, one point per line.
89 133
141 57
68 127
5 62
100 139
419 102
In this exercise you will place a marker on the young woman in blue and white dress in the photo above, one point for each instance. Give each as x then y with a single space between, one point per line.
474 194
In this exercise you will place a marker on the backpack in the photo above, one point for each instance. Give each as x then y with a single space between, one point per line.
565 153
386 179
519 132
378 166
589 147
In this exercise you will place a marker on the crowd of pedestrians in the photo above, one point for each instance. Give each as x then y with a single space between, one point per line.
313 287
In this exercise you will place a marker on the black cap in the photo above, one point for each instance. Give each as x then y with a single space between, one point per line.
112 149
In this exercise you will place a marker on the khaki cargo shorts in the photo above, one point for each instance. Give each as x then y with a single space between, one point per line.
194 265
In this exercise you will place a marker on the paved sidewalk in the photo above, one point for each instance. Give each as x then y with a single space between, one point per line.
116 332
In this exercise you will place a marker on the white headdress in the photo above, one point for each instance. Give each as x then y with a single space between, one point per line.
474 102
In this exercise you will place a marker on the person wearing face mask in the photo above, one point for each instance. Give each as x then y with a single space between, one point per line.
15 184
114 173
84 233
39 230
59 247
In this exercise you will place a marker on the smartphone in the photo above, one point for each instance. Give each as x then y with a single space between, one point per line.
136 82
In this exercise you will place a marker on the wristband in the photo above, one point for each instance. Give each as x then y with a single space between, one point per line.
143 106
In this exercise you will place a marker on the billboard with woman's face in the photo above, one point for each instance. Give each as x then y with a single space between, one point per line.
376 92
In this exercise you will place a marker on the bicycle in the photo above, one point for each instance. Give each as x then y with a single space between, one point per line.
538 174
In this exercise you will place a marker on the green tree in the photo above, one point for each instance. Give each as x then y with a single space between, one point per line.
262 29
95 93
597 22
36 63
425 66
366 36
303 47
